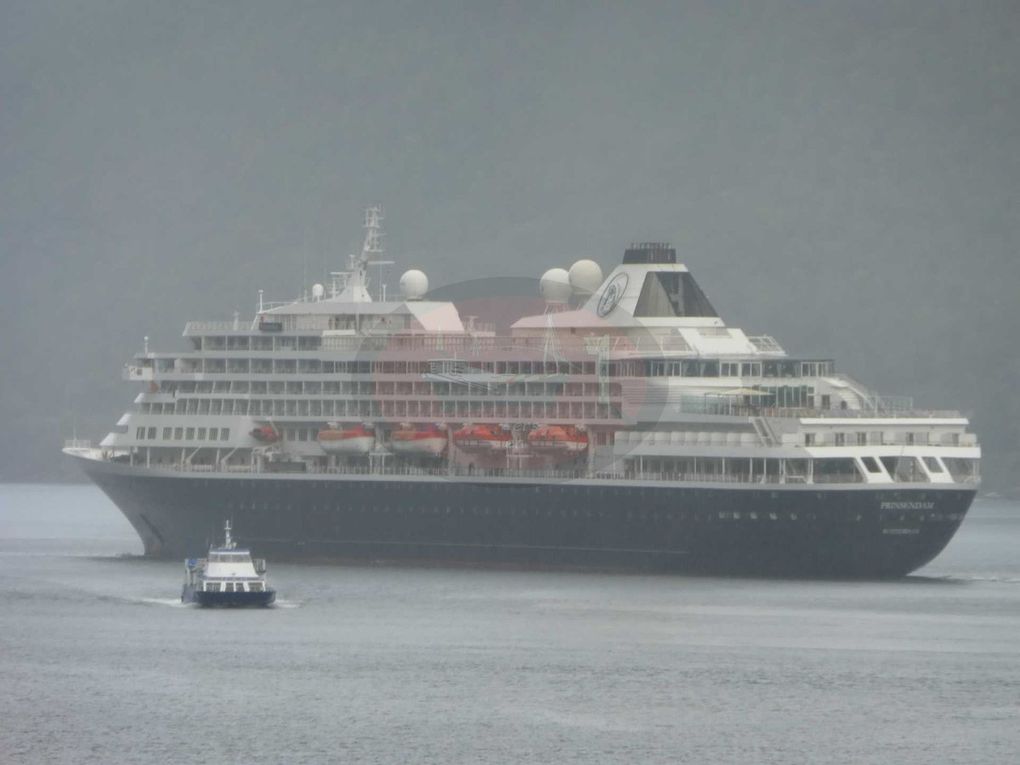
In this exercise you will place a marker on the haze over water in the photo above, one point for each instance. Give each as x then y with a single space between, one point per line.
101 663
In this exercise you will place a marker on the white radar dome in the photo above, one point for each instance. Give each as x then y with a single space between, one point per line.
414 284
585 277
555 285
318 291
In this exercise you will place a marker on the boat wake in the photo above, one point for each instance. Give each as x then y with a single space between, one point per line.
997 578
176 603
171 602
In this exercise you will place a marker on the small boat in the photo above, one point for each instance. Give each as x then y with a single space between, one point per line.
482 439
428 440
558 439
267 434
358 440
229 576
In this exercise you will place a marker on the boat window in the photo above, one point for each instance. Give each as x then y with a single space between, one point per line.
961 469
212 586
255 587
932 464
871 465
836 471
904 469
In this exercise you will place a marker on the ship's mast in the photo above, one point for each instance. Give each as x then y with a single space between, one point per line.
352 285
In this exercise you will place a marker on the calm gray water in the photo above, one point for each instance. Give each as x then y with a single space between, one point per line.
100 663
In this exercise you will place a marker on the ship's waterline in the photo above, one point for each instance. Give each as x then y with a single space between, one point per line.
626 426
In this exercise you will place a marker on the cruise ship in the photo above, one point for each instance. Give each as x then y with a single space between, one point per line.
621 425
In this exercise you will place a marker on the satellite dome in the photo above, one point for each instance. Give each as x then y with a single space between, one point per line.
585 277
414 284
555 285
318 291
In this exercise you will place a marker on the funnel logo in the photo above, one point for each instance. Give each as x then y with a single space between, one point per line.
612 294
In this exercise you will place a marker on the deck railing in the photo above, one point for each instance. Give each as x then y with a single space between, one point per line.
545 475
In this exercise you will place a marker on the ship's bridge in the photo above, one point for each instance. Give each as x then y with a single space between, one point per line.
355 317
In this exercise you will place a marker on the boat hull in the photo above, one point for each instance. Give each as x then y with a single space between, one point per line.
229 599
429 447
350 446
758 530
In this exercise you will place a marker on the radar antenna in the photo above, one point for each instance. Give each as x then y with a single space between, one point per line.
352 285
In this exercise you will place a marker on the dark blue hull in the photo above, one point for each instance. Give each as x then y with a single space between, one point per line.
790 530
229 599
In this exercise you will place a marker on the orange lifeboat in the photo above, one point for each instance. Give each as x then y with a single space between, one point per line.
482 438
558 439
267 434
357 440
421 440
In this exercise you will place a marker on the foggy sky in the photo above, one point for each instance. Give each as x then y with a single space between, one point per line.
842 175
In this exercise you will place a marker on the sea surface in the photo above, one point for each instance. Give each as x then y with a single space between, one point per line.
100 663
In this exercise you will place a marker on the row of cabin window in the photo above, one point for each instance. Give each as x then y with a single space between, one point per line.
318 366
400 407
861 438
184 434
635 368
391 388
329 407
257 343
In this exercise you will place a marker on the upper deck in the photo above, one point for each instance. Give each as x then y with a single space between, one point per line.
639 363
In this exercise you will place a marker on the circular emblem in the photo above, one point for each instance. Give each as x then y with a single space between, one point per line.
611 294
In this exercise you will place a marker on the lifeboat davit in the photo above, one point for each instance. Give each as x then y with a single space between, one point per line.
482 438
358 440
267 434
558 439
421 440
